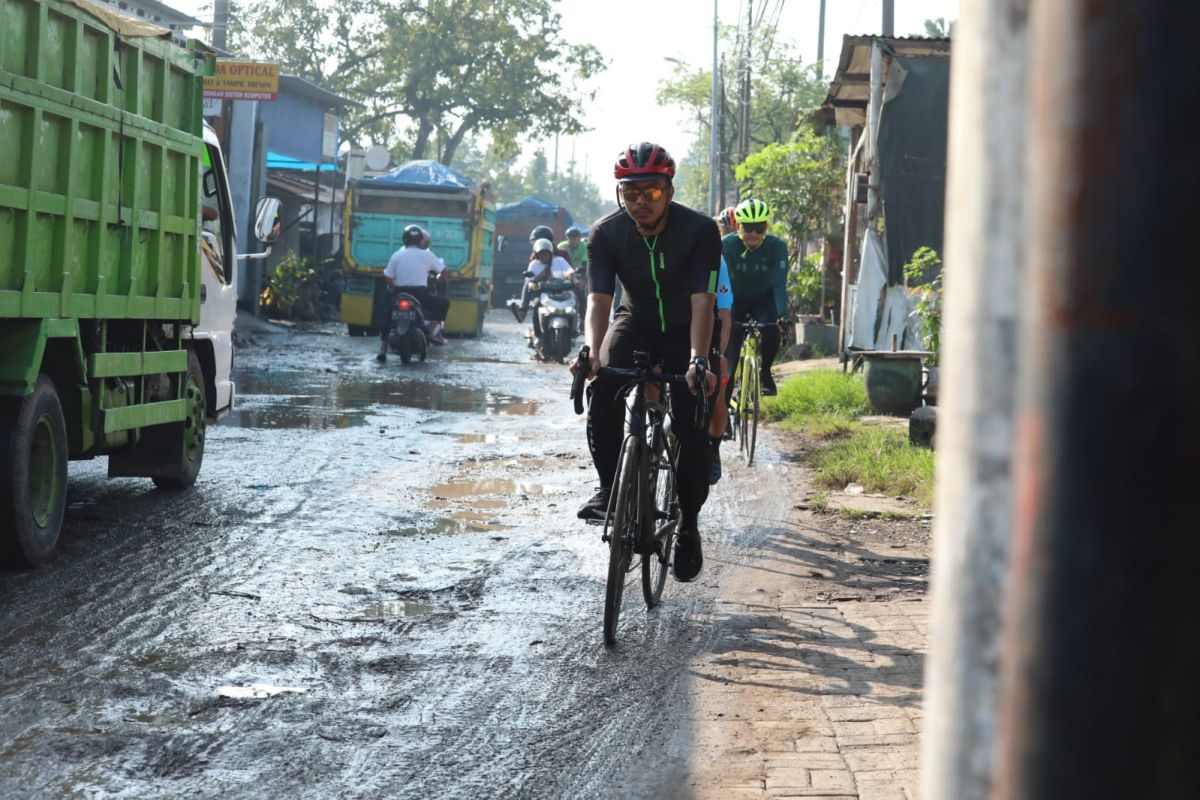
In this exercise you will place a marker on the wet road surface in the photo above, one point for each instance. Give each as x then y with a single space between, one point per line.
378 588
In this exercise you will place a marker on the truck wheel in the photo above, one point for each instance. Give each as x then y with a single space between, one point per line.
193 430
356 330
33 474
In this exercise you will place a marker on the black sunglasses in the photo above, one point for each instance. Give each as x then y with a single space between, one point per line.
754 227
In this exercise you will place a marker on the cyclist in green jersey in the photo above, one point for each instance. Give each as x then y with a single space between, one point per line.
758 265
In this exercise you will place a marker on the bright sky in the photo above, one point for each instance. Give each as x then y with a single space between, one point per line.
626 32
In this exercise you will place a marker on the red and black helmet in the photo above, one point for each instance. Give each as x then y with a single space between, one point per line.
642 161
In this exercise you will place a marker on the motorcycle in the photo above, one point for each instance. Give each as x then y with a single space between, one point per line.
555 319
408 336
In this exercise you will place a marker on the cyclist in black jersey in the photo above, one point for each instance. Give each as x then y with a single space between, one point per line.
666 257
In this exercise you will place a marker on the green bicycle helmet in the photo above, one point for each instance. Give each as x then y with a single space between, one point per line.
751 210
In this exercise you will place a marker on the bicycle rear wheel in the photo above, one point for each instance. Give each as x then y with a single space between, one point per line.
666 519
755 393
621 527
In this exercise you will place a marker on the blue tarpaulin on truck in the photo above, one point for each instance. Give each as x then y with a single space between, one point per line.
530 207
424 174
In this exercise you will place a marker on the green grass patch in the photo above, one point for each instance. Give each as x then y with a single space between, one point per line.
881 460
823 403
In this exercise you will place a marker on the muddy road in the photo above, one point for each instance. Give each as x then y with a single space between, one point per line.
377 588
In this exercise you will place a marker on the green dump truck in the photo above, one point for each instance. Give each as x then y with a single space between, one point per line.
460 217
117 280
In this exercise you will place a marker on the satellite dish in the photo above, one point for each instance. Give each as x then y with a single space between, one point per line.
378 158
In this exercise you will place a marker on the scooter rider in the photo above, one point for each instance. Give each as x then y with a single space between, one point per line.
666 256
546 266
408 271
544 232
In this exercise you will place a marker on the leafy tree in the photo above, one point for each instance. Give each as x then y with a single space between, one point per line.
802 181
939 27
784 90
430 73
572 191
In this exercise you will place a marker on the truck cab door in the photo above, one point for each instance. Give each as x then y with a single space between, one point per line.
218 257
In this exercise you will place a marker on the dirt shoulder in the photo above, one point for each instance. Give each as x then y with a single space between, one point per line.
812 684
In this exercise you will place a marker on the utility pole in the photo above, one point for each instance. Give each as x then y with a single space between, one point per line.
1105 501
220 24
714 115
744 126
985 231
889 18
821 40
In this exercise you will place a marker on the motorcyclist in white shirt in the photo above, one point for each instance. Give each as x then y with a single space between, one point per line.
408 270
546 265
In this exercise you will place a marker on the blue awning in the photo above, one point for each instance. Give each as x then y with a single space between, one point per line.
280 161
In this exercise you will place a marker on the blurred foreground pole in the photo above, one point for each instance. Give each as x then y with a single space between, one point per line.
1100 666
984 247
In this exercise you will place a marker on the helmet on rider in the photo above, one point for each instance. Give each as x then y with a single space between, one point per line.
543 246
644 161
727 218
541 232
751 210
413 236
574 230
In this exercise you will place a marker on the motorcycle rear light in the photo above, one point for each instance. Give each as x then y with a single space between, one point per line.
404 305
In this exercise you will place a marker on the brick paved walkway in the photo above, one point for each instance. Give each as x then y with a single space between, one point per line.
801 698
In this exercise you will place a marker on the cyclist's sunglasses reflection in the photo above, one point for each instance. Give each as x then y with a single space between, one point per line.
651 193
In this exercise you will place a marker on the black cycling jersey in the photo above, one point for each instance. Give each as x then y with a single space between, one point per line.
659 273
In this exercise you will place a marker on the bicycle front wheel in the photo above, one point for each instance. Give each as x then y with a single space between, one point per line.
755 392
745 388
622 530
666 519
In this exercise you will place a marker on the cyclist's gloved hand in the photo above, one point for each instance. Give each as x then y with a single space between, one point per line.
698 371
784 324
593 365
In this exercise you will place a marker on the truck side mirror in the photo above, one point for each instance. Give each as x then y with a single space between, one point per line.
266 220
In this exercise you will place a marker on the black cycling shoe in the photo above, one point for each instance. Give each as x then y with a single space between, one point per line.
597 507
689 558
381 357
768 385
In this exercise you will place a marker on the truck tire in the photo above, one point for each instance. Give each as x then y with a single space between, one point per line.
356 330
33 475
193 430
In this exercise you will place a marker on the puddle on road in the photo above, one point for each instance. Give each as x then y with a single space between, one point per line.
456 523
397 608
505 486
289 399
487 438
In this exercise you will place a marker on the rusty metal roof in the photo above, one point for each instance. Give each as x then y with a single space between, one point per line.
850 90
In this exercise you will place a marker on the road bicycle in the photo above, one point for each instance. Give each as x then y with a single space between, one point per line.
747 389
643 508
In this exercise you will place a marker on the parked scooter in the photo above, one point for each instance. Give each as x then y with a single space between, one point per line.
408 337
555 319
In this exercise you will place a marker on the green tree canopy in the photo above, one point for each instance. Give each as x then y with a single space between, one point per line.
569 189
801 179
429 73
784 91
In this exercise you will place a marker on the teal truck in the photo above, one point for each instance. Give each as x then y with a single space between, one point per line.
117 279
458 213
